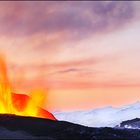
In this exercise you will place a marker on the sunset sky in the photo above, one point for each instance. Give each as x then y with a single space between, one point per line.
83 55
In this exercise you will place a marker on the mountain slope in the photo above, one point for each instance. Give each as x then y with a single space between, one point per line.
131 124
19 127
102 117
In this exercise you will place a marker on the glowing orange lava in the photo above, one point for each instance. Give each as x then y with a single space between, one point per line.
19 104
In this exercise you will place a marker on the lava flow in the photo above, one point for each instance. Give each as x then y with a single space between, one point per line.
19 104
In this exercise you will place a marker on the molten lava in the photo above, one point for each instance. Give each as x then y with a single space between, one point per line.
19 104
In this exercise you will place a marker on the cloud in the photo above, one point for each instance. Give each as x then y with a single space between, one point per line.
68 70
84 84
64 65
76 19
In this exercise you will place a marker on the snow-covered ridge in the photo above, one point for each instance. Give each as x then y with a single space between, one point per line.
102 117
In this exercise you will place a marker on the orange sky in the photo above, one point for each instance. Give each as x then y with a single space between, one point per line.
82 54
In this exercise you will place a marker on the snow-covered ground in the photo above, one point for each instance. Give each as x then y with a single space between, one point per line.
102 117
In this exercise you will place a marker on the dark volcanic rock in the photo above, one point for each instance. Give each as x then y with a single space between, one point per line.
12 126
134 123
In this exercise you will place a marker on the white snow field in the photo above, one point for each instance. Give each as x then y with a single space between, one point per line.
101 117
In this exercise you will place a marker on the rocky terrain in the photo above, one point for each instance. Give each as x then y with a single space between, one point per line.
20 127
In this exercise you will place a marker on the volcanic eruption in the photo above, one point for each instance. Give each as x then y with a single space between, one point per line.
18 104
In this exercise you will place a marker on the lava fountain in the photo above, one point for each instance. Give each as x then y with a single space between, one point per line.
19 104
